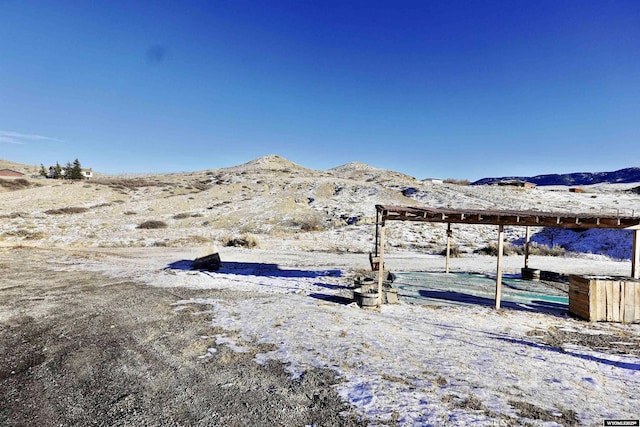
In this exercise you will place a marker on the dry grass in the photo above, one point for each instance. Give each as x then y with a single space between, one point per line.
185 215
181 216
66 211
308 223
454 252
153 224
534 249
102 205
130 183
567 417
26 234
245 241
191 241
14 215
457 181
15 184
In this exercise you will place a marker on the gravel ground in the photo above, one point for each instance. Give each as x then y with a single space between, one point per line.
78 353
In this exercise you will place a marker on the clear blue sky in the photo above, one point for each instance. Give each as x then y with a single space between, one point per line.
462 89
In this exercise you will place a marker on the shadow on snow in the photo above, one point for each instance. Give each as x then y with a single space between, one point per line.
260 269
617 364
462 298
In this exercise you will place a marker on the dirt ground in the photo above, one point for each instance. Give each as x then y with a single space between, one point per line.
75 352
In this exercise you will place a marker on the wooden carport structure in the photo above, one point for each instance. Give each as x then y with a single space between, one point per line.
501 218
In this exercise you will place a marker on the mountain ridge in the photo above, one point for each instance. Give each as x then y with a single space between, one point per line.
620 176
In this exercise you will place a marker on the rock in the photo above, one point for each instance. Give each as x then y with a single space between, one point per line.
209 262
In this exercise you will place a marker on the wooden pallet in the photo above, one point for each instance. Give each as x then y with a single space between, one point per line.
604 298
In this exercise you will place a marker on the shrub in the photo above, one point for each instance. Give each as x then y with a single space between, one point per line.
534 249
457 181
153 224
454 251
492 249
181 216
15 215
102 205
63 211
542 250
14 184
129 183
26 234
308 223
245 241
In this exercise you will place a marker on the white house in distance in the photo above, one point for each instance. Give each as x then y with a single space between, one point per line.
86 173
52 171
433 180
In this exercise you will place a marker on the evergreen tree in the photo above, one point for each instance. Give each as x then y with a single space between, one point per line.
57 171
43 171
67 171
76 170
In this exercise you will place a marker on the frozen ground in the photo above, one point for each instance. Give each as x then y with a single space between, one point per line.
409 364
404 364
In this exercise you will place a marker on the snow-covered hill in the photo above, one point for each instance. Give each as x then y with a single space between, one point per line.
289 206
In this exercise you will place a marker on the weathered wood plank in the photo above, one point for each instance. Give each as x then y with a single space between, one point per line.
506 217
608 299
635 255
579 300
381 265
629 302
614 306
637 301
604 299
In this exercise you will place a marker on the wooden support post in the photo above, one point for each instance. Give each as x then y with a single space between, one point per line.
381 265
377 233
527 237
635 256
499 266
446 262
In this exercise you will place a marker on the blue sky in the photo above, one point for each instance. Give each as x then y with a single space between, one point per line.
462 89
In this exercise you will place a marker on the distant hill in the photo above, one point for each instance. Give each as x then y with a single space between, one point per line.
622 176
26 169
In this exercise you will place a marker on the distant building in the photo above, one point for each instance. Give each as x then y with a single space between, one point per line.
87 173
433 180
11 173
576 190
52 172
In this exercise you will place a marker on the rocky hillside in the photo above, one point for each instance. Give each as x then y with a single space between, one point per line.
622 176
280 203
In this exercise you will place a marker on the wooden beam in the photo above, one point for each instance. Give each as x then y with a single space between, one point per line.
377 233
507 217
635 257
499 266
381 265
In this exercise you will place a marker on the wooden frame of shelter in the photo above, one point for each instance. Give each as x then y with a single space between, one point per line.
501 218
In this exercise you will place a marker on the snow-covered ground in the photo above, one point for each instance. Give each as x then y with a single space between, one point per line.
408 363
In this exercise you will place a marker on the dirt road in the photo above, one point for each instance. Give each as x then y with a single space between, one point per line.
76 352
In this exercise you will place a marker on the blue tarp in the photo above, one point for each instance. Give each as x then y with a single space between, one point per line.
477 289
